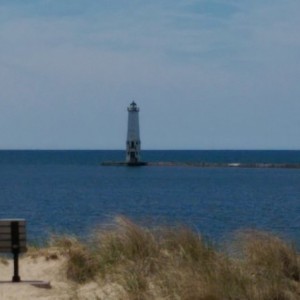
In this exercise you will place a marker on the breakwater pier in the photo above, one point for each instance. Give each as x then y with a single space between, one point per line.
204 165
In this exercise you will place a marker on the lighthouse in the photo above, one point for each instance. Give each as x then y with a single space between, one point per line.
133 143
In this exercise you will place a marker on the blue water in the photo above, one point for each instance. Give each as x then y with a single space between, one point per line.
70 192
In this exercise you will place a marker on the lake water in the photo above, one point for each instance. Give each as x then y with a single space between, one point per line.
70 192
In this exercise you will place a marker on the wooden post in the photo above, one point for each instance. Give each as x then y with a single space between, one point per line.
16 277
15 244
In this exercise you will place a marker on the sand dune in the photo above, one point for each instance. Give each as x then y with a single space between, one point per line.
131 262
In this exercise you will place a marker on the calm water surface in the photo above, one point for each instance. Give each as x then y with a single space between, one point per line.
69 192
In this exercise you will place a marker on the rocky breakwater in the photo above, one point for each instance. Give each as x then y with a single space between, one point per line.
205 165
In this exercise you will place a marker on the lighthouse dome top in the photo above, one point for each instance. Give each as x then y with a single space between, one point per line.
133 107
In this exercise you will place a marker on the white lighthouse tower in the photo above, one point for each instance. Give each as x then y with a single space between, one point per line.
133 143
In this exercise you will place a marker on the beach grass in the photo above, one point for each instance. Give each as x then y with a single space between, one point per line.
178 263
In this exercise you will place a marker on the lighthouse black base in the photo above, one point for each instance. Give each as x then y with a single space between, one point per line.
136 164
124 164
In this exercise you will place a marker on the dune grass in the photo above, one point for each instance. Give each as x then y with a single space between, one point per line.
177 263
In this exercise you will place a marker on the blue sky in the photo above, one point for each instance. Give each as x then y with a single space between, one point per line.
218 74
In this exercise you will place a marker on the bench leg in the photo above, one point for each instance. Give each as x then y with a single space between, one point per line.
16 277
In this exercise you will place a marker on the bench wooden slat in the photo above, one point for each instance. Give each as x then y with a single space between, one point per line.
8 250
7 229
7 222
7 246
8 242
5 236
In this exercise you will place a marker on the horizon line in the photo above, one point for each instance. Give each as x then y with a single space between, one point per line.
171 149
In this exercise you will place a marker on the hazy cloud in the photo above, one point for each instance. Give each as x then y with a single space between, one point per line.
207 74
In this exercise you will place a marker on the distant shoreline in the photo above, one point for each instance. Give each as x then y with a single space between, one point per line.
205 165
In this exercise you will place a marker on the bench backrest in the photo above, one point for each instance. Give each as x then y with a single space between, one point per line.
12 235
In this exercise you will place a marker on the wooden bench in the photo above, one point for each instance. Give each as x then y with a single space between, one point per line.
13 240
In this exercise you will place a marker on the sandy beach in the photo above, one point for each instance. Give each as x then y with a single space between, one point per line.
44 278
